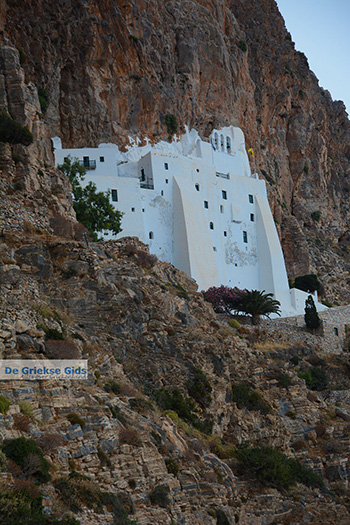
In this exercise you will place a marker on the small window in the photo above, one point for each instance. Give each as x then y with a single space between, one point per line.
86 162
143 210
150 235
225 233
252 218
114 196
206 204
224 194
162 193
214 248
228 144
166 181
245 237
211 225
197 187
102 159
132 209
216 140
166 167
221 208
336 332
251 199
143 177
197 170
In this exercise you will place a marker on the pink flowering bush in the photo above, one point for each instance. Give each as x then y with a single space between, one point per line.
223 298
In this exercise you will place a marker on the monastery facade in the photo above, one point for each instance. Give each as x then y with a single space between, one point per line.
198 206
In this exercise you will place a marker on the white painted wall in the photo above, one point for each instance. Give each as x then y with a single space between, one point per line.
202 210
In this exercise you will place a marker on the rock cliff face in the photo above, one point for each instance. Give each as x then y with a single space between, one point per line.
112 70
143 329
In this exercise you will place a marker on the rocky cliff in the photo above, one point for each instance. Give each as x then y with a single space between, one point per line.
146 331
124 446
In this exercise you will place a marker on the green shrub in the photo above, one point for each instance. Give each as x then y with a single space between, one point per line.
307 283
316 215
4 404
112 386
26 409
291 414
172 466
23 505
184 407
171 123
242 44
199 388
271 467
117 413
160 496
52 333
22 451
306 169
43 99
181 292
221 518
284 381
245 397
13 132
75 419
234 323
315 378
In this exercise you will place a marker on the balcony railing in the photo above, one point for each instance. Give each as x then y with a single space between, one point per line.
88 164
147 185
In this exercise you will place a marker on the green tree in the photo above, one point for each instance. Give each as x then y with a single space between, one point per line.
256 304
92 207
308 283
311 317
13 132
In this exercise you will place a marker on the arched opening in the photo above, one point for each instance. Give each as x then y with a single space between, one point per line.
151 235
228 144
222 142
216 141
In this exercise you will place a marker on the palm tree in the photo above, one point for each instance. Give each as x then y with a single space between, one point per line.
256 304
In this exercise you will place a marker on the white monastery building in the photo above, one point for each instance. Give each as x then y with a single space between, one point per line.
198 206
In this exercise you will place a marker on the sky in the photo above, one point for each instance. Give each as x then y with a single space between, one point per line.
321 30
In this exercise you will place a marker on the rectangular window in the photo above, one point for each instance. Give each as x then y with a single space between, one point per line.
221 208
102 159
224 194
114 196
166 167
132 209
206 204
197 187
225 233
166 181
252 217
143 177
251 199
245 237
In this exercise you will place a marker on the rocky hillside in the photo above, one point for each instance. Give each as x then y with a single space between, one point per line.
126 440
110 69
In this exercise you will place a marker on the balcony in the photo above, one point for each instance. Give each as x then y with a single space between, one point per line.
147 185
88 164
